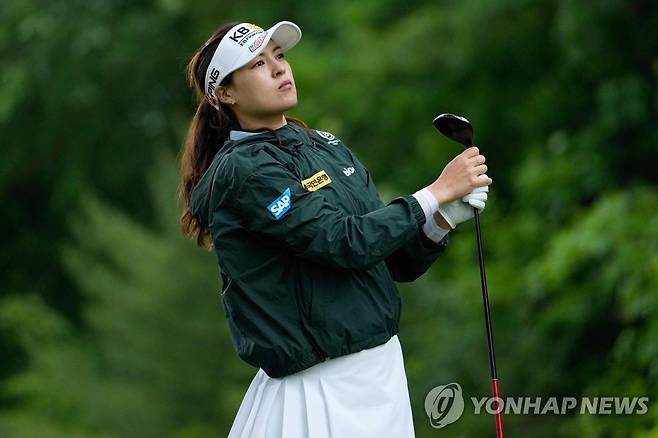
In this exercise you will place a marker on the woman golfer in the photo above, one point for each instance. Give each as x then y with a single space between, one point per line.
308 253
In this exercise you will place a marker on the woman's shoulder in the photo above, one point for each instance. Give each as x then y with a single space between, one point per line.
250 158
335 143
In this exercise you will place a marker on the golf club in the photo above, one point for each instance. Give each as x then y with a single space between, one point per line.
460 130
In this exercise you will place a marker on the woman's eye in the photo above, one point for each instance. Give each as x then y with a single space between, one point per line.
259 63
281 55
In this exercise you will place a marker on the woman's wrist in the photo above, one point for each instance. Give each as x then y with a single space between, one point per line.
439 193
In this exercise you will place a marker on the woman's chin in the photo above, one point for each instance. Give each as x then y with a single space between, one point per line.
279 107
289 104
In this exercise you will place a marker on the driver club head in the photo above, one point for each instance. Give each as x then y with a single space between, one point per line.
455 127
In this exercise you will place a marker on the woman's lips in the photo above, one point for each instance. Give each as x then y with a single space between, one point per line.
286 85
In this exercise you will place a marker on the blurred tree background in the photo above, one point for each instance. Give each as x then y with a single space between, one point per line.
110 321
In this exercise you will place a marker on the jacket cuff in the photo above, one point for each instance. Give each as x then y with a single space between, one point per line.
416 208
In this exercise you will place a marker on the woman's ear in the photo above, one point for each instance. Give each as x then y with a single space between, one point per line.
224 95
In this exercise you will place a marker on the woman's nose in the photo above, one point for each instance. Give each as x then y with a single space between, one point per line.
279 68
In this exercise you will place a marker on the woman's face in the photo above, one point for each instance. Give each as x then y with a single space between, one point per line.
258 89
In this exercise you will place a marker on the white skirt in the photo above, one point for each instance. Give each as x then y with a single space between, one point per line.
359 395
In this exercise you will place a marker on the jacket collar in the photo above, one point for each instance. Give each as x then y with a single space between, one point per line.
292 137
239 135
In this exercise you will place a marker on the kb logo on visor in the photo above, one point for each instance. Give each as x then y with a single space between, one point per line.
241 33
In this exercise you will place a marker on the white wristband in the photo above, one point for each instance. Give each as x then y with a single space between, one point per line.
430 205
427 201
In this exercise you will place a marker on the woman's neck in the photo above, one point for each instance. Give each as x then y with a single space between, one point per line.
252 123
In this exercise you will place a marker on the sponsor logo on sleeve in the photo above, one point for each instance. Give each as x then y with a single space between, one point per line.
280 205
316 181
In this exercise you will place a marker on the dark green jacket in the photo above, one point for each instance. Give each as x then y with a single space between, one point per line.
308 252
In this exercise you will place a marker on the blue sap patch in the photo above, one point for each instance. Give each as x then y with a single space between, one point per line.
280 205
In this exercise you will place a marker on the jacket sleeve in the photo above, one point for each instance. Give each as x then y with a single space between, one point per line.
273 204
416 255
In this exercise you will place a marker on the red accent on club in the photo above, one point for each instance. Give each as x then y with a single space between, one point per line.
499 411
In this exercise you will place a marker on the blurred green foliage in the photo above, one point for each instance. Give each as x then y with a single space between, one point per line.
110 321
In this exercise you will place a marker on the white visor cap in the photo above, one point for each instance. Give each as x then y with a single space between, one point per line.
242 43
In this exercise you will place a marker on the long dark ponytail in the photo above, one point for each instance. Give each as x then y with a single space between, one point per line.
208 130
